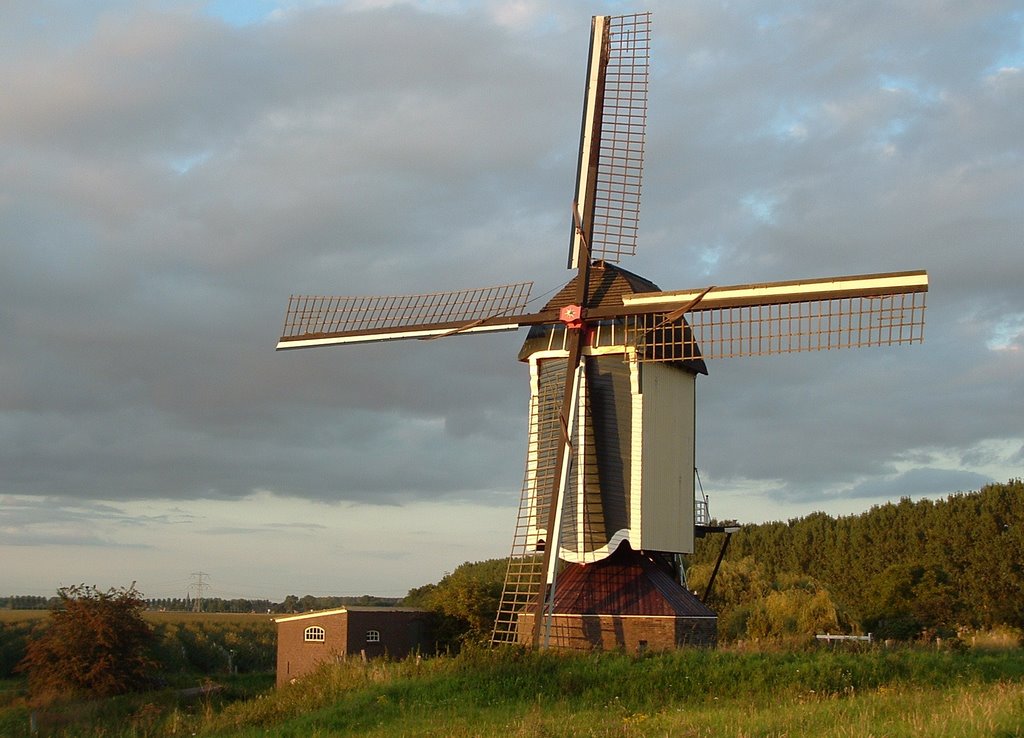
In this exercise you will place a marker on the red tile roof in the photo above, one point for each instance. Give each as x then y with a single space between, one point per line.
626 583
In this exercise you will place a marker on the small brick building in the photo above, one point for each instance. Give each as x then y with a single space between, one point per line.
627 601
307 640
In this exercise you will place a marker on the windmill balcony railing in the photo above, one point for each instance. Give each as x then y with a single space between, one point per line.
701 516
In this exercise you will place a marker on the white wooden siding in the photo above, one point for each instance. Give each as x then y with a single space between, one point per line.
667 449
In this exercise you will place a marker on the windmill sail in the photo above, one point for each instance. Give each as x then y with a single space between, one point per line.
611 157
323 321
782 317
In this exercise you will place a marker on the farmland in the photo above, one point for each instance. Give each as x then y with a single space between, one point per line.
189 645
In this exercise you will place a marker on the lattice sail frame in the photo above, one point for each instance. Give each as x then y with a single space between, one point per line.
791 327
623 135
525 574
612 139
309 316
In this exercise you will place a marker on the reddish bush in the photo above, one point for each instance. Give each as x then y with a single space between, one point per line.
94 642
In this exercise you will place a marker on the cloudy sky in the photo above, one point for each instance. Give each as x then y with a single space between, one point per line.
170 172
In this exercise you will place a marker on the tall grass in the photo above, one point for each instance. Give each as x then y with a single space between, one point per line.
874 692
514 692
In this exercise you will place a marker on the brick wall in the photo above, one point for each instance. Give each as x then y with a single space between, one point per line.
632 634
400 632
296 656
347 633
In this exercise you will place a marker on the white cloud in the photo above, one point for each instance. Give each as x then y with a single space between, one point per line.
1007 334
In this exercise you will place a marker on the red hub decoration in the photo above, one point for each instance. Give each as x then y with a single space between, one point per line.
572 316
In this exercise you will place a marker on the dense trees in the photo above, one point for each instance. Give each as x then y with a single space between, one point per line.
751 604
466 600
898 568
95 643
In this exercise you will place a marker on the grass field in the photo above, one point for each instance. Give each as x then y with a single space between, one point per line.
698 693
874 692
21 616
967 712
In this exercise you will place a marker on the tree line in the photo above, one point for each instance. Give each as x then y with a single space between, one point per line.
308 603
290 604
897 570
28 602
209 604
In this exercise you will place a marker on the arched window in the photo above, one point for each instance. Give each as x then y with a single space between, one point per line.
314 633
373 636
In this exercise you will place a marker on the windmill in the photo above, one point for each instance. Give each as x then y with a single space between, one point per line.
613 361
